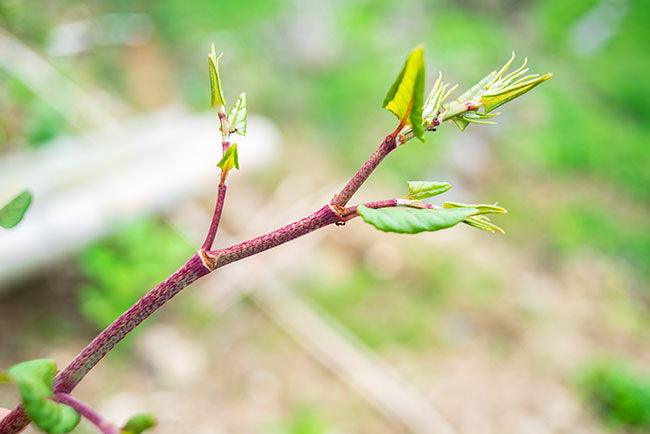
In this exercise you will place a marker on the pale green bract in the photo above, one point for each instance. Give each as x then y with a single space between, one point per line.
230 159
419 190
237 116
13 212
34 379
216 91
405 220
405 97
139 423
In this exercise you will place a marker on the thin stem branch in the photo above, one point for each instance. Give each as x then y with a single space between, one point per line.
385 148
202 264
216 216
87 412
222 188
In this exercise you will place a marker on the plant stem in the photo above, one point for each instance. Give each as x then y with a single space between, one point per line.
221 190
385 147
199 265
87 412
216 216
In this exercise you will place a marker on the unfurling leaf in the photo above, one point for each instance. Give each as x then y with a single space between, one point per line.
482 208
480 220
139 423
237 116
419 190
498 98
494 90
230 159
12 213
216 92
407 220
34 379
474 117
405 97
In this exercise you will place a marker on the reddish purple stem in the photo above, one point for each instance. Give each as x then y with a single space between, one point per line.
216 217
342 198
196 267
87 412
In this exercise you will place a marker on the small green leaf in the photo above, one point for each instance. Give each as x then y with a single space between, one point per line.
482 208
237 116
406 220
139 423
498 98
4 377
34 379
230 159
419 190
483 223
12 213
405 97
215 80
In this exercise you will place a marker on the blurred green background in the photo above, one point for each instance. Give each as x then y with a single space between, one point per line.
569 160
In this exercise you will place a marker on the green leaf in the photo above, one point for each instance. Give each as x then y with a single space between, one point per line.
474 117
12 213
4 377
230 159
139 423
423 189
482 208
406 220
215 80
493 100
34 379
483 223
237 116
405 97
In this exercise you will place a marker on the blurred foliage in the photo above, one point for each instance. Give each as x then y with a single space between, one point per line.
304 420
619 394
25 120
120 269
408 310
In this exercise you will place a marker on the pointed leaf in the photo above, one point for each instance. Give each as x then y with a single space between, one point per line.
405 98
12 213
139 423
483 223
230 159
34 380
216 91
482 208
237 116
406 220
493 100
423 189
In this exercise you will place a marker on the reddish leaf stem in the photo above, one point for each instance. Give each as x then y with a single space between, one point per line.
88 412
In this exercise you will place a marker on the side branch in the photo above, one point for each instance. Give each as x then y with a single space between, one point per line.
216 216
344 196
88 413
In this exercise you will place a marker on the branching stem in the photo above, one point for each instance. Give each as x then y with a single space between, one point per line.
202 264
88 413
